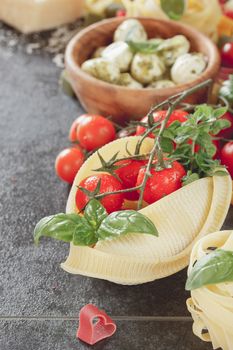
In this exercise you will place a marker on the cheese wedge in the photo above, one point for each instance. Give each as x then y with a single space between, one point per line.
37 15
181 218
212 306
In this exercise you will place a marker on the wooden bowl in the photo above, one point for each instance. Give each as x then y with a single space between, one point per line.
123 103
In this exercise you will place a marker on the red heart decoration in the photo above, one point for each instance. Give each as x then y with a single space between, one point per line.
90 331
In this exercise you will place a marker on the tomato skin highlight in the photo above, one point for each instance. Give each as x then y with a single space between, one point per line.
95 131
161 183
227 54
178 114
128 174
109 183
227 157
68 162
74 127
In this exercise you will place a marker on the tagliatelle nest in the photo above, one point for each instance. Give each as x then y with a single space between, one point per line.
211 306
181 218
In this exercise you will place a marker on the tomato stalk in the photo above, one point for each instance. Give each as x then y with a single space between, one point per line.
173 102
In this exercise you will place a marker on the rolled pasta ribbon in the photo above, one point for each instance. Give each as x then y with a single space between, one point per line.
211 306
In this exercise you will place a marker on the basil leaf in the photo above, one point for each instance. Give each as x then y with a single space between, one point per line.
126 221
144 46
173 8
95 213
84 234
60 226
216 267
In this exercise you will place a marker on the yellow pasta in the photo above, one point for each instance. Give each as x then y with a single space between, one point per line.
181 218
212 306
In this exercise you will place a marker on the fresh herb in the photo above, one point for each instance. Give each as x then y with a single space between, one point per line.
194 139
124 222
93 226
148 46
173 8
215 267
189 178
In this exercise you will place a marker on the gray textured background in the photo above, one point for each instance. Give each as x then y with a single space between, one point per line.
39 303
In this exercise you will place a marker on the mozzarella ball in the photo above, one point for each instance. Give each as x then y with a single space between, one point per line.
188 67
171 49
120 53
146 68
102 69
97 53
162 84
130 30
126 80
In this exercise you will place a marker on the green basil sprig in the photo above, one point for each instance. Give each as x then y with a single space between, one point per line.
93 226
173 8
213 268
148 47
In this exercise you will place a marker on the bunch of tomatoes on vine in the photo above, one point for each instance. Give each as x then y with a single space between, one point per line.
90 132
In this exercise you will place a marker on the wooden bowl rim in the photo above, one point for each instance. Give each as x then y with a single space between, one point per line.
213 60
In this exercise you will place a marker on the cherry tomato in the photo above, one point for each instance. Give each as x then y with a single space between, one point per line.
228 13
121 13
109 183
227 157
228 132
161 183
74 127
178 114
68 162
128 174
95 131
227 54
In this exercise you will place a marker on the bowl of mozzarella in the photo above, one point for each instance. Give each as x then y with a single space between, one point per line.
123 66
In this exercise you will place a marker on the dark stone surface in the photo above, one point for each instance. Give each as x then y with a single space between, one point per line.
34 120
61 335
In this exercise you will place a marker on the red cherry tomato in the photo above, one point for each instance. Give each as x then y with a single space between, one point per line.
178 114
68 162
121 13
227 157
228 132
95 131
109 183
74 127
227 54
161 183
228 13
128 174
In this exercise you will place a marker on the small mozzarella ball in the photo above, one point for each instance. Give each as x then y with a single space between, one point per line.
97 53
102 69
188 67
130 29
126 80
120 53
147 67
173 48
161 84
